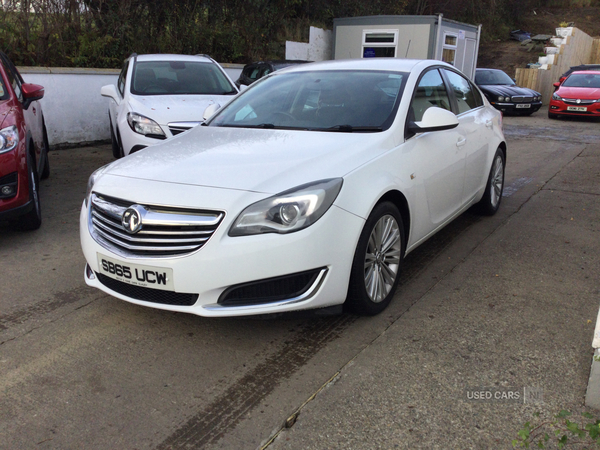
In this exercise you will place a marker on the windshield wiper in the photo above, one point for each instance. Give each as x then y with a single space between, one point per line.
350 128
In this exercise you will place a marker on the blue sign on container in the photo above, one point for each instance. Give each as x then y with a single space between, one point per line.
369 52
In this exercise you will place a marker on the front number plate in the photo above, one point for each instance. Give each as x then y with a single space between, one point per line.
523 105
576 108
137 274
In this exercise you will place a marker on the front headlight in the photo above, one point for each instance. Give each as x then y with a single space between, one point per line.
555 96
143 125
288 211
92 180
9 138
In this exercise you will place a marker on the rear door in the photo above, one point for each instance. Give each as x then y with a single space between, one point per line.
475 127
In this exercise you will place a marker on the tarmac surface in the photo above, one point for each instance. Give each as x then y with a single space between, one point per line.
502 306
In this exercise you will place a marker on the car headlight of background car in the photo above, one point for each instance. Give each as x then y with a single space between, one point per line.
503 99
9 138
144 125
288 211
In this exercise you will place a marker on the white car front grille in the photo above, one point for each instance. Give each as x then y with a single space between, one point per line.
164 231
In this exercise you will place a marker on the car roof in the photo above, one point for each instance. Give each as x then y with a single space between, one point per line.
383 64
173 57
586 72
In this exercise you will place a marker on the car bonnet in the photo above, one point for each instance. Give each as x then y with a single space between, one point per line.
579 92
259 160
507 90
175 108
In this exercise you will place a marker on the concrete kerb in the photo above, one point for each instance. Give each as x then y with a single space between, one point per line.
592 396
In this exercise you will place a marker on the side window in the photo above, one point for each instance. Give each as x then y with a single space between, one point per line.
464 92
13 78
477 95
430 92
123 78
254 73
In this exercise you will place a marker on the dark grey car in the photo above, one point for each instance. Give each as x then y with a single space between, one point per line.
256 70
505 95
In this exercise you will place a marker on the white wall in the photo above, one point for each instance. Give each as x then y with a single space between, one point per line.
74 110
319 47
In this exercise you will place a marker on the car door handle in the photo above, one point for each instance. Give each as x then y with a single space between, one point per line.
461 142
489 124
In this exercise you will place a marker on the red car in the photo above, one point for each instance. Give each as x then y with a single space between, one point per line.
23 148
577 95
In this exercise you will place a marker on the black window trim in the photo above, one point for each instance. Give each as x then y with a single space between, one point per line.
453 95
453 104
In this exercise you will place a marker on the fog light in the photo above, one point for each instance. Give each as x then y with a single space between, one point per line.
89 272
7 191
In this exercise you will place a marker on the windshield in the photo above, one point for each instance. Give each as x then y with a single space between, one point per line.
179 78
493 77
586 80
3 91
321 100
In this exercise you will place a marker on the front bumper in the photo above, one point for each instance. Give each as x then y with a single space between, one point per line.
517 108
11 165
326 247
559 107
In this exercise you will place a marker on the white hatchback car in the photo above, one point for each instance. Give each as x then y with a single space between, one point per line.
160 96
305 191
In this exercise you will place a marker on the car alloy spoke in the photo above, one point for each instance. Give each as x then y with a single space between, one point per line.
382 258
497 180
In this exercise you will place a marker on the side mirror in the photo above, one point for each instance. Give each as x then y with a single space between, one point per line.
31 93
210 110
110 91
556 84
434 119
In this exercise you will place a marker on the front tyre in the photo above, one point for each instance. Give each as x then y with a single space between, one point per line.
33 219
117 148
376 266
46 170
490 202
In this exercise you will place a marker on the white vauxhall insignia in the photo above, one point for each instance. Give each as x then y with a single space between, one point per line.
306 191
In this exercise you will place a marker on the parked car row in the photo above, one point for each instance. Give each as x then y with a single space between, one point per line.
305 191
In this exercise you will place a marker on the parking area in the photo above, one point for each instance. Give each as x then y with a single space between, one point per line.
507 303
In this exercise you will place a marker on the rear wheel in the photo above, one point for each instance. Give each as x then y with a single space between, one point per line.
490 202
33 219
376 266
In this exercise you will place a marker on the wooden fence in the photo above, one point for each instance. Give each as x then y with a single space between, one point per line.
579 49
